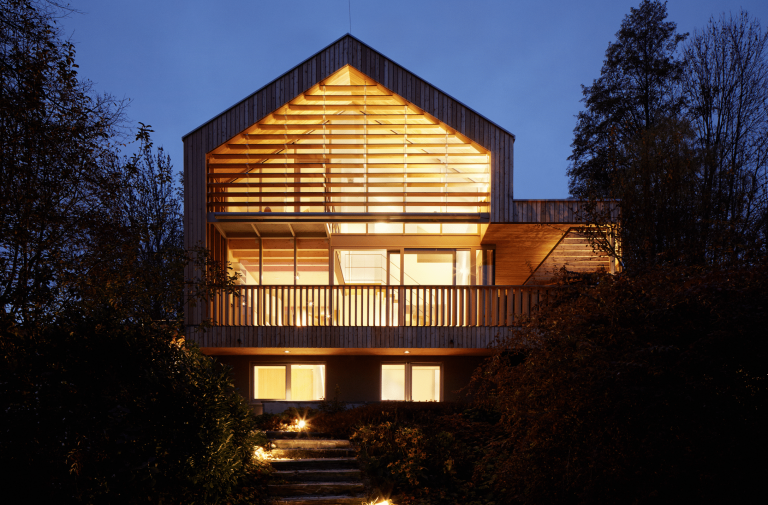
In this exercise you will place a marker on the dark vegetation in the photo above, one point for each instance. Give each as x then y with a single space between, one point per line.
647 389
675 129
102 399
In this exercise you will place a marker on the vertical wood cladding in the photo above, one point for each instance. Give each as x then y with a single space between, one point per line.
346 50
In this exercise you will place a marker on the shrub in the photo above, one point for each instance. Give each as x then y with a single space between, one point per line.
635 389
344 423
119 413
426 454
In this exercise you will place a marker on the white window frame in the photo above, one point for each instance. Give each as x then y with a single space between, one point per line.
288 393
409 377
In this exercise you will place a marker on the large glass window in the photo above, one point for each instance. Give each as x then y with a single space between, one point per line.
428 267
278 261
420 267
311 262
425 383
418 382
269 382
294 381
393 381
366 266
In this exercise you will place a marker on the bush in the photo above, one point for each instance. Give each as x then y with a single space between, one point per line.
343 424
426 458
635 389
111 413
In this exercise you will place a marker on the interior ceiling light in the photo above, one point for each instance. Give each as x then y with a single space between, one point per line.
286 352
406 352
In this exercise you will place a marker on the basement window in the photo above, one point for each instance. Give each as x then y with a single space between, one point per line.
418 382
289 381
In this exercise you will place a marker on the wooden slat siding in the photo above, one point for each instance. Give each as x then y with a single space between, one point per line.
346 50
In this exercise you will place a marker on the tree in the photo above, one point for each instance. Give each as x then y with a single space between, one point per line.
56 161
705 201
140 248
636 91
634 389
103 401
726 83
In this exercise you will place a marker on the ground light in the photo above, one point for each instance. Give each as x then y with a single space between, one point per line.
261 454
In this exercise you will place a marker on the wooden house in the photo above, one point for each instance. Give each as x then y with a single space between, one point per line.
371 217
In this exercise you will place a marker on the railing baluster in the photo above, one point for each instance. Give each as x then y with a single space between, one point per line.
376 305
526 298
386 322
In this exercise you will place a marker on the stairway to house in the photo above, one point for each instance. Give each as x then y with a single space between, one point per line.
314 471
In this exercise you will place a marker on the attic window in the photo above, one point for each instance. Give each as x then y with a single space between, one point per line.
350 145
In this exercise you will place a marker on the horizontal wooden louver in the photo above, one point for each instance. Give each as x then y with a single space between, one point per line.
349 145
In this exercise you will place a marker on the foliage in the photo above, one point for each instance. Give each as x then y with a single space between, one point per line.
678 138
429 460
635 91
344 423
635 389
332 406
150 210
56 166
269 422
726 84
103 402
114 413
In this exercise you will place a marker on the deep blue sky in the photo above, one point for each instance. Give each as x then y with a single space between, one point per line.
520 64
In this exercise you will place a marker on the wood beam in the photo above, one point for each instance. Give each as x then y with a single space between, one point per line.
318 146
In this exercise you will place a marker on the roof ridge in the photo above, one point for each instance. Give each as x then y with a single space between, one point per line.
347 62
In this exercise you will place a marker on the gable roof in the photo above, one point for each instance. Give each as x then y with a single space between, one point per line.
349 50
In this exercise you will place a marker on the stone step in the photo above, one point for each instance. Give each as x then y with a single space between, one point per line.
333 475
296 434
315 488
312 453
321 500
311 444
314 464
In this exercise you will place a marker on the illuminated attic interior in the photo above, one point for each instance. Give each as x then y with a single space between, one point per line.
350 152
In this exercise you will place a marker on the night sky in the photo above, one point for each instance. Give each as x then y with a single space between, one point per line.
520 64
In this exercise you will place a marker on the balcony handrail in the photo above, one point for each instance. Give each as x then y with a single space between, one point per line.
376 305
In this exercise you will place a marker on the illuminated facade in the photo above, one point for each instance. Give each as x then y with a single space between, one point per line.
371 218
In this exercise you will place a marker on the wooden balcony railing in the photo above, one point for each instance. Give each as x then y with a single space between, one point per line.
375 305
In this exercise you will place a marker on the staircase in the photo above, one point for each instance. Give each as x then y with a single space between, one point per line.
314 471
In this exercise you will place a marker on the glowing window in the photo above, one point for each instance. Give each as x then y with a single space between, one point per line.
418 382
393 382
295 381
269 382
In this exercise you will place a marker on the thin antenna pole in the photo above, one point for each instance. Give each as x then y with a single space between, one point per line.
350 17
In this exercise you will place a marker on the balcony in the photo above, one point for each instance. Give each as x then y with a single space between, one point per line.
376 305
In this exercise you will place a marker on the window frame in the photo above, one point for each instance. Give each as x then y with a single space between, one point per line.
409 378
288 391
